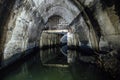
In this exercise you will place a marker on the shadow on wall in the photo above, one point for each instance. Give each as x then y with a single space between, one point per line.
5 10
110 3
85 48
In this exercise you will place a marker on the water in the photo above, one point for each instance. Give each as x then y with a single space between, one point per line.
31 68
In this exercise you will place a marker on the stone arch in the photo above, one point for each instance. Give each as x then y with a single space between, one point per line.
63 8
56 22
60 11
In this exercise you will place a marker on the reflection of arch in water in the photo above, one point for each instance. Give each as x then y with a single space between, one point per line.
64 50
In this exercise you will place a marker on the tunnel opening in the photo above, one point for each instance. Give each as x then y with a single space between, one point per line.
54 29
51 38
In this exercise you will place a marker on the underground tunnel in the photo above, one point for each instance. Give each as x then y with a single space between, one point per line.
59 39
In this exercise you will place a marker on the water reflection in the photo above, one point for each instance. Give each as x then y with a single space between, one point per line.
70 54
64 50
31 68
48 54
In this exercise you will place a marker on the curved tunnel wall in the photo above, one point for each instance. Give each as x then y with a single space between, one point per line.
28 21
29 17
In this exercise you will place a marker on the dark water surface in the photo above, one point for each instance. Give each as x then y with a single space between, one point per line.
31 69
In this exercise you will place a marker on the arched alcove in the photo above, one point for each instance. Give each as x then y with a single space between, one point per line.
56 22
